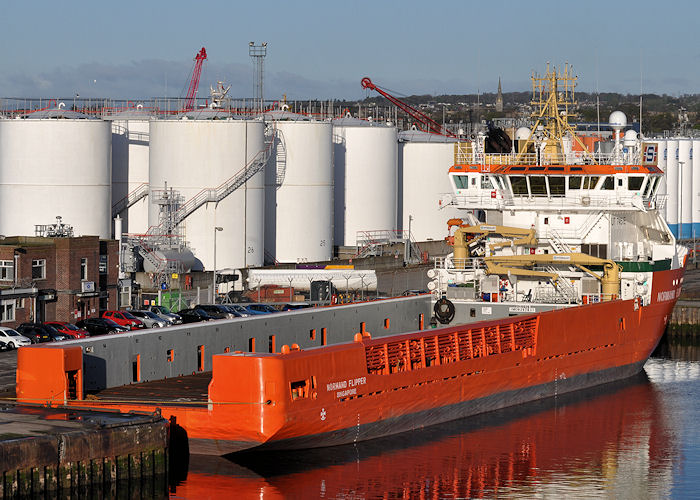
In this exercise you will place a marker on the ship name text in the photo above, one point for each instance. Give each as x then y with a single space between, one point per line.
345 387
667 295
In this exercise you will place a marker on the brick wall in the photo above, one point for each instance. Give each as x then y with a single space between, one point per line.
63 273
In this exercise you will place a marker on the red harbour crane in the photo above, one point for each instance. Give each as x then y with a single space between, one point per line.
427 123
194 81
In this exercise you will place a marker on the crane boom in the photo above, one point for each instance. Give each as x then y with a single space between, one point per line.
429 125
194 81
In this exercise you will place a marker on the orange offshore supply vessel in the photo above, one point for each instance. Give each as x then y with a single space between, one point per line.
563 276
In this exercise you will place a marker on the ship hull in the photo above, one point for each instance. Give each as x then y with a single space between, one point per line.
439 415
376 387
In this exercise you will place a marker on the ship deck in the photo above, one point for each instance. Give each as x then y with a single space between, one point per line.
191 390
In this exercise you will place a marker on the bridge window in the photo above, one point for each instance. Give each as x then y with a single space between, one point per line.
575 182
634 182
461 181
519 185
556 186
538 185
486 182
608 183
589 182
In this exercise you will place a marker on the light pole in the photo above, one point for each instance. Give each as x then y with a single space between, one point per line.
213 284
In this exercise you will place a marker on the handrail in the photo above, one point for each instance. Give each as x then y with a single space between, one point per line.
140 192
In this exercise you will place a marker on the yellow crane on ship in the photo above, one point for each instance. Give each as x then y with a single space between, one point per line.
466 238
516 264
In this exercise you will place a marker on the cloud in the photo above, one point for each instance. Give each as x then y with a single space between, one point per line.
157 78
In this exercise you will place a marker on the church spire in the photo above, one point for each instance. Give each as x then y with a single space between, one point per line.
499 97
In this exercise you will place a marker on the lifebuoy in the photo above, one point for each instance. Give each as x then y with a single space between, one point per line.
444 311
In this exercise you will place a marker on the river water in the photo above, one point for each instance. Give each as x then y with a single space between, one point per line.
636 439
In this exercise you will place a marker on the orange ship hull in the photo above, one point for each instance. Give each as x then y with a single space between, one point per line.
376 387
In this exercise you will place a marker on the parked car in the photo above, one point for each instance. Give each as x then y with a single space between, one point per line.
164 312
237 310
100 326
149 319
218 311
12 339
38 332
68 329
194 315
294 306
257 309
124 318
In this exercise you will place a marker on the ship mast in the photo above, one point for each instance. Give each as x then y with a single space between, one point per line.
552 98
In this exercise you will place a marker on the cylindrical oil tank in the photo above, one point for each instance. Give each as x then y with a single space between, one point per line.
185 258
685 178
661 158
695 154
424 162
196 155
130 140
365 172
55 167
672 185
299 193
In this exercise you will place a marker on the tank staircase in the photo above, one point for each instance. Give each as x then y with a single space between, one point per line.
216 195
280 159
140 192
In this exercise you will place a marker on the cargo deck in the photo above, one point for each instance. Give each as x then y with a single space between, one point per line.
190 390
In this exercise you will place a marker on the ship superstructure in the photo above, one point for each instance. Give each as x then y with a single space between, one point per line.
552 224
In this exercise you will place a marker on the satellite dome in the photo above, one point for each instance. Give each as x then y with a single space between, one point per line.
522 134
617 120
630 138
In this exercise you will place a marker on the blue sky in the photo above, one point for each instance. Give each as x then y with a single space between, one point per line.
322 49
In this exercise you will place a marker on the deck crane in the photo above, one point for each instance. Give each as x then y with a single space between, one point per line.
428 124
194 81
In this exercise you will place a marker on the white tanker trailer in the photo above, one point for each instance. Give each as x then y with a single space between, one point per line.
352 280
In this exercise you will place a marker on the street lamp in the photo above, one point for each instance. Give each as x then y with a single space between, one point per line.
213 288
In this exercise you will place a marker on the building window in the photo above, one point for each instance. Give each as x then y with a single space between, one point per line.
83 269
7 310
7 270
39 269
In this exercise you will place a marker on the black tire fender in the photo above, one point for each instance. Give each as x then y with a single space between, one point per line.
444 311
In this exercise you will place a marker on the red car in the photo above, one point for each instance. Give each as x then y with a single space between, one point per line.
124 318
68 329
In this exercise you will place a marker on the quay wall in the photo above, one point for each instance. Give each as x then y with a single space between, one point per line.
112 461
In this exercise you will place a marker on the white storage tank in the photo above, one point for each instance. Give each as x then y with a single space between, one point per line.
695 154
299 192
686 193
193 155
130 141
424 162
55 163
365 168
661 163
672 184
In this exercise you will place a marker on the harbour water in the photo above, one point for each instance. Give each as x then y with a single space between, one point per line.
636 439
